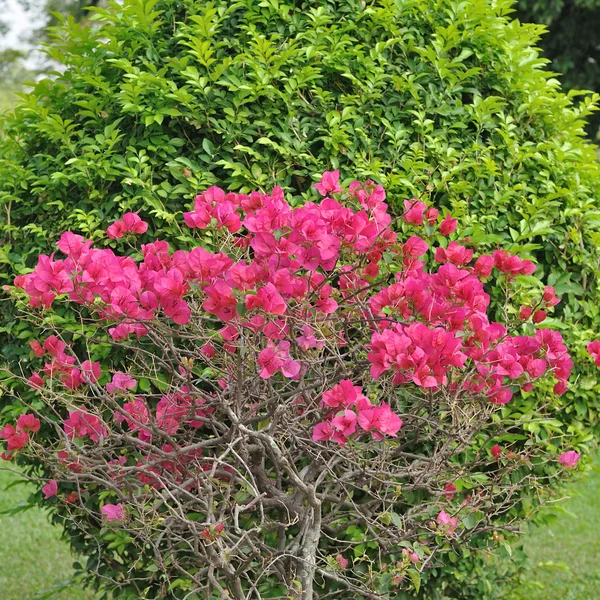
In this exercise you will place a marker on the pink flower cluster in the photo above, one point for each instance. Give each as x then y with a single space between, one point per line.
291 274
62 366
447 523
18 437
569 459
130 223
114 512
593 349
349 411
433 322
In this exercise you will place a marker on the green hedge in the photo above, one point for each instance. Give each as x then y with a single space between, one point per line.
449 99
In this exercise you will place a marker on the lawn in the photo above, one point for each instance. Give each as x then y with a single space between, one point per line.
565 556
33 558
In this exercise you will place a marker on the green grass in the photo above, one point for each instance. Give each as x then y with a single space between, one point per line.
33 558
565 555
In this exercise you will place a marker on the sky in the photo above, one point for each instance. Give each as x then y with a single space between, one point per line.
20 23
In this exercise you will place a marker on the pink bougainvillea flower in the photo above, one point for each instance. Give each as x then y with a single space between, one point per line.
15 440
307 340
73 245
322 432
28 422
130 223
413 211
116 230
114 512
525 313
380 420
50 489
36 381
432 215
345 423
569 459
448 225
483 266
549 296
37 348
121 382
447 523
450 490
345 394
496 451
341 561
329 183
593 349
454 253
277 358
415 246
133 223
54 346
220 301
80 423
90 371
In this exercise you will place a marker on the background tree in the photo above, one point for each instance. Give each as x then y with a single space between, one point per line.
13 72
572 43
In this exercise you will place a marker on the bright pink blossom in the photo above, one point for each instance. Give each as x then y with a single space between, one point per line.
80 424
121 382
569 459
496 451
549 296
329 183
447 523
483 266
413 211
322 432
114 512
15 440
344 425
50 489
448 225
449 491
129 223
37 348
277 358
593 349
525 313
432 215
28 422
380 420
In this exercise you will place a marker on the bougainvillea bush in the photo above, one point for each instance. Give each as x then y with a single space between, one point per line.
318 406
159 100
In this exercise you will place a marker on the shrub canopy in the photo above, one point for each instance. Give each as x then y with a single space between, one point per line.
428 97
313 412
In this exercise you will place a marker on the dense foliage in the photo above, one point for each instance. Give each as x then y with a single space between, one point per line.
315 411
445 101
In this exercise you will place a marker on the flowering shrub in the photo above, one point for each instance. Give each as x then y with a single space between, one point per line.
316 409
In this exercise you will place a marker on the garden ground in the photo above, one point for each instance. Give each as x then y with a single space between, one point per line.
34 561
33 558
565 556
